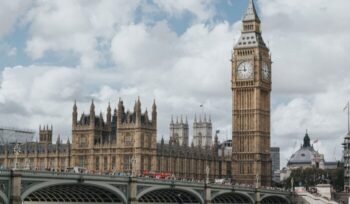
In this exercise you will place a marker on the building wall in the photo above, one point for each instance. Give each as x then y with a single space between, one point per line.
179 132
133 149
202 132
275 158
251 88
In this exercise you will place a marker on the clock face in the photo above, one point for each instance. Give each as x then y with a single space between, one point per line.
265 71
245 70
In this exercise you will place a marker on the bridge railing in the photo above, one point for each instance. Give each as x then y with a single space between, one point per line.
215 185
142 179
5 172
56 173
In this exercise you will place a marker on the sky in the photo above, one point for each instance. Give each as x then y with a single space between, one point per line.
53 52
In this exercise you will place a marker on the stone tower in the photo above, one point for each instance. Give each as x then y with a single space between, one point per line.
45 134
202 132
89 133
179 131
137 139
251 87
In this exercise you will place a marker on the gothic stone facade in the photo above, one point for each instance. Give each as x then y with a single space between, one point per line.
122 142
251 87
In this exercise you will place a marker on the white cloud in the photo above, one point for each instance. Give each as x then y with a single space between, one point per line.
138 47
180 71
322 114
8 50
308 39
202 9
33 95
10 13
77 26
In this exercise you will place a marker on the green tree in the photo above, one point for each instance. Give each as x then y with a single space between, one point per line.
312 176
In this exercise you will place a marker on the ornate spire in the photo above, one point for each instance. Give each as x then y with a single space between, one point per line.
92 106
138 105
162 140
75 106
92 103
251 14
109 107
154 106
306 140
172 120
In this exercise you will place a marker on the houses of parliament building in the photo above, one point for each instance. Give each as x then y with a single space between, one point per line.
125 141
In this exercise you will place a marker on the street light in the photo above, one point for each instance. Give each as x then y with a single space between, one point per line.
133 161
207 170
16 151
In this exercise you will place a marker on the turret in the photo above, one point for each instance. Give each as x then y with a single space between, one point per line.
74 115
216 139
120 111
138 111
216 143
109 115
146 116
92 113
154 114
306 140
101 120
162 141
251 21
45 134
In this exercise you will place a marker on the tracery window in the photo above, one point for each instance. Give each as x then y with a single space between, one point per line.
128 139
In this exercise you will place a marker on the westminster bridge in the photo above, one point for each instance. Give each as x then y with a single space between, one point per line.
34 187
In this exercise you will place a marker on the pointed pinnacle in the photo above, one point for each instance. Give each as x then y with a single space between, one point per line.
251 14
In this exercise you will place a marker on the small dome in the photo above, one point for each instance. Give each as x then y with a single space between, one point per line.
304 155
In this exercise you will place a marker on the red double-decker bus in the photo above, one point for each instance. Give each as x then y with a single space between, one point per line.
158 175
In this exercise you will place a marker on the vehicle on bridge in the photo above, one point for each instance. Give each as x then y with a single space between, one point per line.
77 169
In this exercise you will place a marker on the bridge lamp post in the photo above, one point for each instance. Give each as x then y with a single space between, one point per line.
207 170
133 161
16 151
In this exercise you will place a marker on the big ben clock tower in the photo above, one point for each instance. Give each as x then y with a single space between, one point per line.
251 87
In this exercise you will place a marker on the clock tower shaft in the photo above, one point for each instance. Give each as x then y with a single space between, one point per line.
251 88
